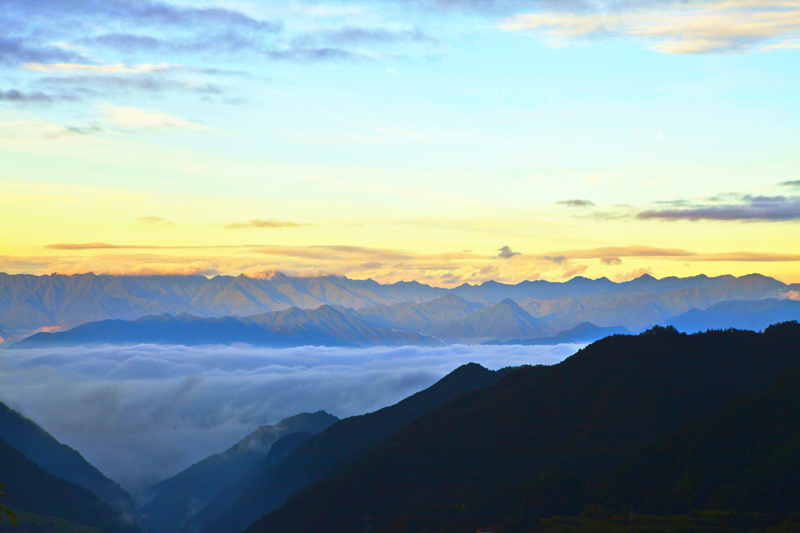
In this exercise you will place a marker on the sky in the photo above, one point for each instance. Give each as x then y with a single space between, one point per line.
144 413
444 141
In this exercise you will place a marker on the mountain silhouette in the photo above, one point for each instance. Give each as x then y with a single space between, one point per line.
266 486
503 321
59 459
547 441
582 333
173 501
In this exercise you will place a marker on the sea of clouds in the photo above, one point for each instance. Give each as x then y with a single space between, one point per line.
143 413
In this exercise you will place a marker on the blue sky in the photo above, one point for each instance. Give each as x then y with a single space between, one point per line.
437 129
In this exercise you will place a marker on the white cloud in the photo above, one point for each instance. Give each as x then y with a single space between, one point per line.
142 413
135 118
728 25
78 68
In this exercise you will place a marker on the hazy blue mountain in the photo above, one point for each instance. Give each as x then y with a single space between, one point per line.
266 486
585 332
59 459
752 315
422 317
294 327
31 488
555 440
642 302
173 501
503 321
31 303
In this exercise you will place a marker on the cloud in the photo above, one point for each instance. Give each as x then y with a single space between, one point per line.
673 28
612 261
354 35
13 95
142 413
574 271
154 220
91 83
18 50
314 55
576 203
506 253
259 223
749 209
555 258
617 251
639 272
792 183
119 68
134 118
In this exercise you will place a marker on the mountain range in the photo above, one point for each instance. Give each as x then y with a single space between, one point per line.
451 319
55 302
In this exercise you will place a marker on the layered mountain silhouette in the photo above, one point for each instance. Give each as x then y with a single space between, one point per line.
502 321
740 314
325 325
44 478
56 302
580 334
664 422
269 483
172 502
59 459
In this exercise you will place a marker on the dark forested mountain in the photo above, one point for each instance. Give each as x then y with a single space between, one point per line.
59 459
32 303
294 327
31 488
662 421
173 501
740 314
582 333
267 485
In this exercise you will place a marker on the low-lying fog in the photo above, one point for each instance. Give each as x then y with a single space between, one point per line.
143 413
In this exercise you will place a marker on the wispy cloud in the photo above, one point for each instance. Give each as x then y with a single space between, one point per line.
576 203
259 223
134 118
119 68
748 209
675 28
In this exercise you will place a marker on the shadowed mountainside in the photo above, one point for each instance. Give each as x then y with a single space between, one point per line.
59 459
266 486
30 488
545 441
173 501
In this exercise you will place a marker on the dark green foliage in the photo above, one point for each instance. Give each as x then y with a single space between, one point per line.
662 421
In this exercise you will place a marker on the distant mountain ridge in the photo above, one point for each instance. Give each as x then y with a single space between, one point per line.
324 326
57 302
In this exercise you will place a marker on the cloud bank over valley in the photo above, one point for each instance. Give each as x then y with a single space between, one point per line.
143 413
